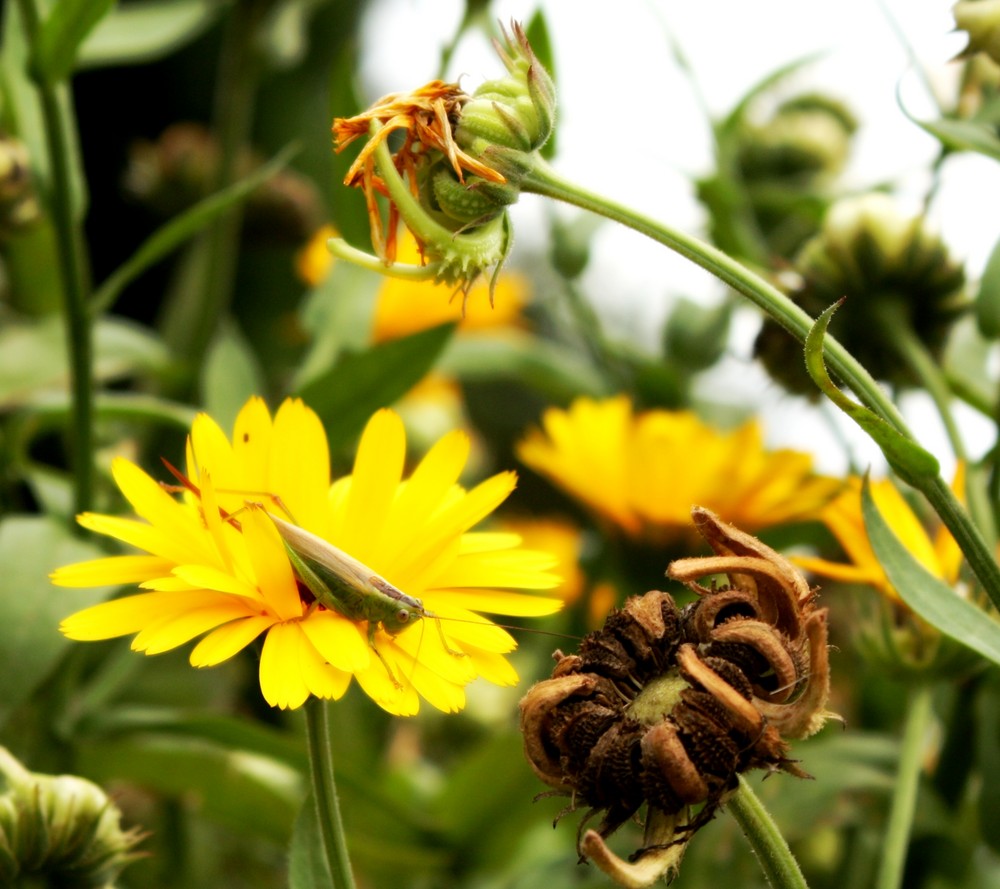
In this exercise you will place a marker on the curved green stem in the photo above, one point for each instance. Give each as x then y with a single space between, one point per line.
912 350
324 791
543 180
904 798
73 272
776 859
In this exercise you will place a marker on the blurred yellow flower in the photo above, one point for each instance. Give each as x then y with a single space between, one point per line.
404 307
941 555
208 573
645 471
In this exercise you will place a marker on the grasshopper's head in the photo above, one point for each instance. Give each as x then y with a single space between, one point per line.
403 611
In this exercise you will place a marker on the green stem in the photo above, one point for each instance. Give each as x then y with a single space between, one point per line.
904 798
543 180
913 352
776 859
193 319
72 263
324 791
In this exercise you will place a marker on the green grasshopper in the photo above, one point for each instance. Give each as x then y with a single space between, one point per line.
343 584
337 580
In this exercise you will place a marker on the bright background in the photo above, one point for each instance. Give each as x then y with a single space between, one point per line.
633 126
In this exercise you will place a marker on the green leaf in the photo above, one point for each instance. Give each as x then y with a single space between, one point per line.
146 30
172 234
246 792
928 596
34 357
30 607
231 375
963 135
987 304
556 371
64 29
307 867
908 459
359 384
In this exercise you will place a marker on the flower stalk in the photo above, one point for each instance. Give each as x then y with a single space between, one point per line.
919 715
72 263
324 792
776 860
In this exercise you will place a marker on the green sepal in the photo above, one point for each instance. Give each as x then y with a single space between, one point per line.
909 460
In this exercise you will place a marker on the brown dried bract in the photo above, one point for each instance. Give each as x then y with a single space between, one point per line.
666 707
428 116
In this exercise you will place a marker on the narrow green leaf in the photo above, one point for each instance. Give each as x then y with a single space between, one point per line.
987 304
172 234
963 135
30 607
307 867
908 459
64 29
931 598
146 30
359 384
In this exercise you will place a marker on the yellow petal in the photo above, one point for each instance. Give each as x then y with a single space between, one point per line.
493 667
206 577
299 465
492 602
111 571
338 640
401 700
252 438
273 571
177 522
174 630
378 468
281 679
120 617
229 639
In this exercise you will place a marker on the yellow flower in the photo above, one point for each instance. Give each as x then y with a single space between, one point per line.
217 569
561 539
403 307
644 471
941 555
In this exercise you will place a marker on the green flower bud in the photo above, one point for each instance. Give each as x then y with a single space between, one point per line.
695 336
18 202
809 135
981 20
465 158
896 275
59 830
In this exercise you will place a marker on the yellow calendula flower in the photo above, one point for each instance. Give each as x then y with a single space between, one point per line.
403 307
644 471
218 563
940 555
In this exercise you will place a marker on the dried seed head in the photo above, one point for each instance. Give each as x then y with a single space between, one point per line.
666 708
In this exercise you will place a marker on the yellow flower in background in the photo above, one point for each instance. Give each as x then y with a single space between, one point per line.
941 555
404 307
644 471
219 570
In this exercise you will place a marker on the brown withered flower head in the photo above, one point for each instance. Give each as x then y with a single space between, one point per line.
666 707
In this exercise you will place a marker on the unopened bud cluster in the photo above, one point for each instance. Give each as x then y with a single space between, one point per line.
894 271
58 830
666 707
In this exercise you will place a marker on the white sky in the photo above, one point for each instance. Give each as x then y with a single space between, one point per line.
624 104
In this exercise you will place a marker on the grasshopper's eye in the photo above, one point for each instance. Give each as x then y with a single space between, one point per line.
403 615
